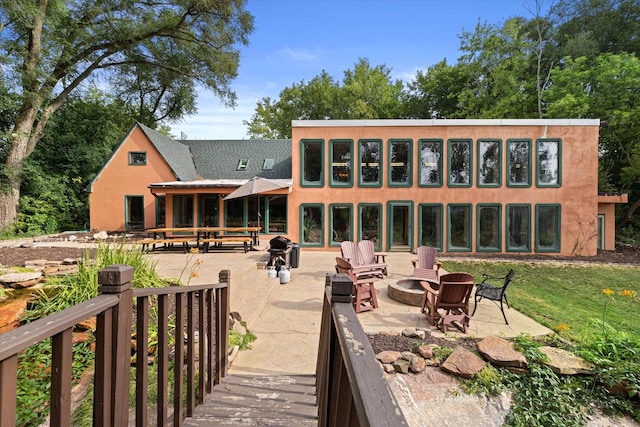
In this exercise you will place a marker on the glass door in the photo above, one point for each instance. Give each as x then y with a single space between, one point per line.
400 226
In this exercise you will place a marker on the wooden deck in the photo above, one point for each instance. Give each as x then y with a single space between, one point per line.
259 401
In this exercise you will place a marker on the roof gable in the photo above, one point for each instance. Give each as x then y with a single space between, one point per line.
176 154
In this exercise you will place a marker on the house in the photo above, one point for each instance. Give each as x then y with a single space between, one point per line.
525 186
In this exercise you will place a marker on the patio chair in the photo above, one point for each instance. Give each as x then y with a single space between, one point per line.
369 256
425 265
494 293
364 292
452 297
350 252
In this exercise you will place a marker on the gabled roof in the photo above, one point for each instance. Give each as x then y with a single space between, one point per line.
219 159
177 155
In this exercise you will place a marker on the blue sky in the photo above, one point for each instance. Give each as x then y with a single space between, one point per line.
294 40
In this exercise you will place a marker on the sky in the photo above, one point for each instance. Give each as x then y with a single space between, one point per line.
295 40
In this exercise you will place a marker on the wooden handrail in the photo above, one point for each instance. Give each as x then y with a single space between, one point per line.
351 386
114 311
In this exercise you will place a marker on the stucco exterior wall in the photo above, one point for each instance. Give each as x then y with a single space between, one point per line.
119 179
577 195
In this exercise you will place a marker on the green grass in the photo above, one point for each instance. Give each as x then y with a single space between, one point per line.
567 295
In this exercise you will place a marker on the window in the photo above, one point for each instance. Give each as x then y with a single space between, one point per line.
341 163
601 231
459 228
277 214
312 225
430 162
489 228
134 212
267 164
341 219
137 158
242 165
460 162
234 212
183 211
489 162
547 228
370 221
400 163
518 228
430 217
161 213
370 156
518 163
312 162
548 155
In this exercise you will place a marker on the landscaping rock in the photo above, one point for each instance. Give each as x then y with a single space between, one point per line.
11 314
564 362
414 333
21 280
463 363
388 356
401 365
501 352
425 351
418 366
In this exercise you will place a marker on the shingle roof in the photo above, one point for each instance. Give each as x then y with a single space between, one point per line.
218 159
177 155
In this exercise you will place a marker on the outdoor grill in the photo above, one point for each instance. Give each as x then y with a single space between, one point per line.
280 252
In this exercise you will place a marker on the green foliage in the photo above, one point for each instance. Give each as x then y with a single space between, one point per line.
241 340
489 381
441 353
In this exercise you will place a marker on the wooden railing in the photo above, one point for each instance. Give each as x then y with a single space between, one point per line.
350 383
207 310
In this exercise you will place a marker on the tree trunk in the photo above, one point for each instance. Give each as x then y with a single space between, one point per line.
10 189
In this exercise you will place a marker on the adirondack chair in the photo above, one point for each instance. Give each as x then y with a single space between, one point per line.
493 292
352 254
369 256
452 297
364 292
425 265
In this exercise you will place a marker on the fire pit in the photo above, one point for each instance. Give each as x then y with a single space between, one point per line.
406 291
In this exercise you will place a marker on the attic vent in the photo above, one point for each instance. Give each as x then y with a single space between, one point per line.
267 164
242 165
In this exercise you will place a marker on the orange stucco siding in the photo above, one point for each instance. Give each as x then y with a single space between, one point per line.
119 179
577 195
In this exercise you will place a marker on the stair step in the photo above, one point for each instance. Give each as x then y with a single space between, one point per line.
259 400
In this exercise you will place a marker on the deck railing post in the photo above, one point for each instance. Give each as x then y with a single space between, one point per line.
113 347
222 302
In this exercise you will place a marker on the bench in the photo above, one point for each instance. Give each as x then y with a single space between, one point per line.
246 241
166 242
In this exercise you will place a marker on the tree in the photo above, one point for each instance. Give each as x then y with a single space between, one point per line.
366 93
53 47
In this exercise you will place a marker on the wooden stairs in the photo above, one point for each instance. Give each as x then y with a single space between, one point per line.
242 400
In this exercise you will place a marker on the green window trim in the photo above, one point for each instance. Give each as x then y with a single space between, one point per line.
539 238
539 167
408 175
361 222
511 247
525 162
439 226
481 163
458 166
129 223
137 158
469 224
315 183
480 247
345 165
346 235
362 164
427 162
303 225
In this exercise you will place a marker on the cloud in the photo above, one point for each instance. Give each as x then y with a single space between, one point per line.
302 55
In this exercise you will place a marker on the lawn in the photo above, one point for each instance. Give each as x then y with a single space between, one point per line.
567 296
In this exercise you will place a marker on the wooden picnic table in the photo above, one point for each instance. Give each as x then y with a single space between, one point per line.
167 233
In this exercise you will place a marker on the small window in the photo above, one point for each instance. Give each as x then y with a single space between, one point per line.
489 162
242 165
341 162
548 228
518 163
518 237
137 158
548 158
459 228
460 152
267 164
430 162
370 160
400 162
312 162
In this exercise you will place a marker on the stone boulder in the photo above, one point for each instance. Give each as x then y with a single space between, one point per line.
11 313
563 362
463 363
21 280
388 356
501 352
